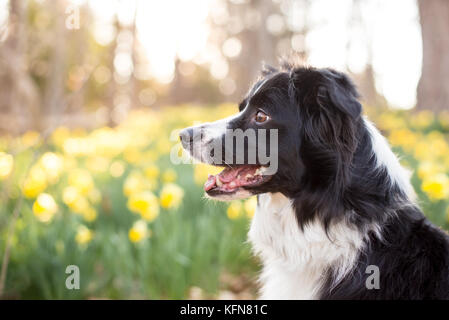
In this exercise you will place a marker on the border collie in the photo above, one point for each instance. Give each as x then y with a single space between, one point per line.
337 220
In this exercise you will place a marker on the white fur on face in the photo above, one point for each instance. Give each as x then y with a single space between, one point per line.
295 262
387 159
206 134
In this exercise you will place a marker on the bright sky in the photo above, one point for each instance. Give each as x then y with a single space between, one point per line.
167 28
395 43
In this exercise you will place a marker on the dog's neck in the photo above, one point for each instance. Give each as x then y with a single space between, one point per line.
296 261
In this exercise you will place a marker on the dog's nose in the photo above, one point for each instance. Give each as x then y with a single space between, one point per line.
186 136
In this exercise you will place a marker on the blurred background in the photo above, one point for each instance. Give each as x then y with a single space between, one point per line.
92 93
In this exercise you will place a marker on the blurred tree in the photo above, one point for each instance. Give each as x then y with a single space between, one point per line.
54 91
19 94
365 79
433 87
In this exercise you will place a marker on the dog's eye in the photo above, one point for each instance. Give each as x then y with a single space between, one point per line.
261 117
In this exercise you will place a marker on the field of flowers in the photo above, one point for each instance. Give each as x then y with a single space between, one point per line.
111 202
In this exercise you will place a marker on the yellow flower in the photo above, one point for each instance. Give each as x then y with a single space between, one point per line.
250 206
151 172
132 155
45 207
428 168
389 121
59 135
35 183
139 231
422 151
436 186
136 182
144 203
6 164
97 164
422 119
234 209
117 169
94 195
52 165
403 138
80 205
83 235
133 183
443 118
202 171
82 180
70 195
171 196
89 214
30 138
169 175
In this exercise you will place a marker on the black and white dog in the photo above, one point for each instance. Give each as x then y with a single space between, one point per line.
339 207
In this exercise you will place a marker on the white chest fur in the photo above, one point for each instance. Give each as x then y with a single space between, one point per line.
295 261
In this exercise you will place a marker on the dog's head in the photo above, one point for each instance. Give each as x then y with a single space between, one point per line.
296 131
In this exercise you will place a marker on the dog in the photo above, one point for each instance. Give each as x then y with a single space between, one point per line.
338 218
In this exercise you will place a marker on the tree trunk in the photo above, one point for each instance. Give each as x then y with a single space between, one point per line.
433 88
20 97
55 82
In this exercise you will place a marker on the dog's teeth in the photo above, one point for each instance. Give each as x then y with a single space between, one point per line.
232 184
218 181
248 176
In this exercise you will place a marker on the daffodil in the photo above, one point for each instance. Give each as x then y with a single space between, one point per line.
136 182
423 119
6 165
250 206
404 138
132 155
429 168
94 195
83 235
52 164
30 138
144 203
45 207
169 175
234 210
82 180
171 196
117 169
89 214
436 186
139 231
202 171
97 164
151 172
70 195
80 205
59 135
35 183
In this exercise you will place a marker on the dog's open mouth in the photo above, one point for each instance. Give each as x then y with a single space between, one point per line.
233 178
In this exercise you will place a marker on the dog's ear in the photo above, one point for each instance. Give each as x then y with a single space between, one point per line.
328 106
330 117
342 93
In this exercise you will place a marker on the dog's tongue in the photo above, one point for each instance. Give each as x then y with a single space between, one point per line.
210 183
230 178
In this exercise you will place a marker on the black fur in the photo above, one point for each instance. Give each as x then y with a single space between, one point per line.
328 168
